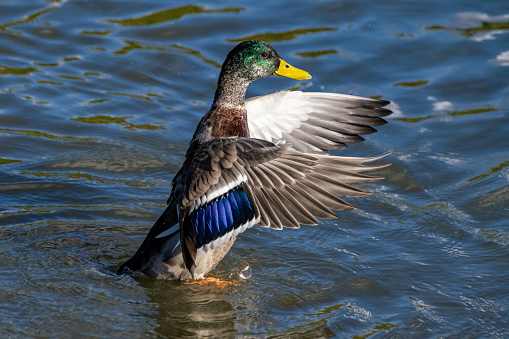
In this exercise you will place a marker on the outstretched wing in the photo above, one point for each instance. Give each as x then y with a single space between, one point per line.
314 122
240 182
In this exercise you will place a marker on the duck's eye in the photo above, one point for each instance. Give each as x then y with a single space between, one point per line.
264 55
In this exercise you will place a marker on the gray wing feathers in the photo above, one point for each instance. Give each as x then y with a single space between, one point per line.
288 188
337 120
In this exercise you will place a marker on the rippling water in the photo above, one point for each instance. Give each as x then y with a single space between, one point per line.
100 98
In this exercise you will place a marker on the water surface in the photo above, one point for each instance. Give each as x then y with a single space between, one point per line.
100 98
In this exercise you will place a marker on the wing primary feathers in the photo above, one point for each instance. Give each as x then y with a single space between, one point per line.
343 176
271 175
326 198
280 207
262 177
313 205
305 216
339 188
284 177
264 218
266 207
291 171
303 145
296 163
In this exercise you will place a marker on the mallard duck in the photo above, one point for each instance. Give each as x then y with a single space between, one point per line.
262 161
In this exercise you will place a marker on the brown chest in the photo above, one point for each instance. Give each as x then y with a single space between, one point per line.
229 122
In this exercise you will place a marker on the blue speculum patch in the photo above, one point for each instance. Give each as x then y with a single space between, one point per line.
221 216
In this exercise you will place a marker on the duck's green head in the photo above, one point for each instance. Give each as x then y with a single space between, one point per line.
256 59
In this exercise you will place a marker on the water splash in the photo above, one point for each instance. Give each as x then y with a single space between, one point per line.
244 271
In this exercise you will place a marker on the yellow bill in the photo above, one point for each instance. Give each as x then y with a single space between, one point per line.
287 70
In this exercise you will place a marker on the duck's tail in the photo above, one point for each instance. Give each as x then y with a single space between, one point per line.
154 242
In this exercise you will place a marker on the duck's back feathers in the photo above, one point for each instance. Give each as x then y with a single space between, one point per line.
234 183
314 122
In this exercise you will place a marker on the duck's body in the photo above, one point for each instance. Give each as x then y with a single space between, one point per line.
264 161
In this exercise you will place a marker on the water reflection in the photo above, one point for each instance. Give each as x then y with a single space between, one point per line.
492 27
489 206
412 83
102 32
283 36
170 15
190 310
136 45
491 171
17 71
122 121
315 54
4 161
448 114
43 135
503 59
28 18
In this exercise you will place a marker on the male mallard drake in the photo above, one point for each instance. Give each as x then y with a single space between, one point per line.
262 161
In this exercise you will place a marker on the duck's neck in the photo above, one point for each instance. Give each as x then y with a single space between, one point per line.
231 90
228 114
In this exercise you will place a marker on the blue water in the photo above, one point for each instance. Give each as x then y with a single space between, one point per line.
100 98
